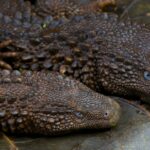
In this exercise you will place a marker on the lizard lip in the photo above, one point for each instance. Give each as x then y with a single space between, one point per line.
116 114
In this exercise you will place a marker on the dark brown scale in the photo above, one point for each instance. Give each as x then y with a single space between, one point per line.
6 55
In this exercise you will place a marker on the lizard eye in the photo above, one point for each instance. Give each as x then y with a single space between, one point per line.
147 75
79 115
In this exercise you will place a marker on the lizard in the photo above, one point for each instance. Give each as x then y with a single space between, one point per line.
63 113
51 10
108 55
50 104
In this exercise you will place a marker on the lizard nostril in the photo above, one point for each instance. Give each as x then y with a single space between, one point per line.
106 114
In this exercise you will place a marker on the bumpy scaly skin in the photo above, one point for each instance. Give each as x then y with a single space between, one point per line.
102 52
36 14
107 55
49 104
42 103
11 10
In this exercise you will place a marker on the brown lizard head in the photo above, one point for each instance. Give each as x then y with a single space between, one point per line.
50 104
119 54
73 106
88 109
124 67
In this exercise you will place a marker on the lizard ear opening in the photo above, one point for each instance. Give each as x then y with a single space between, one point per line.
147 75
